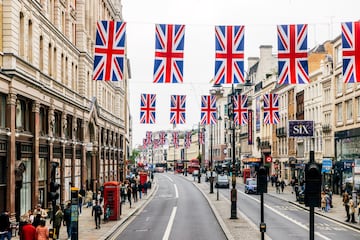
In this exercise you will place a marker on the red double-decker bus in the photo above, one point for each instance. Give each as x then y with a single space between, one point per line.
193 165
179 167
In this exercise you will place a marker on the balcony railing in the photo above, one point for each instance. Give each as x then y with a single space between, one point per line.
326 128
281 132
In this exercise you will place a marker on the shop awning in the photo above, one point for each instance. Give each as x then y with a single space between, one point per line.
251 160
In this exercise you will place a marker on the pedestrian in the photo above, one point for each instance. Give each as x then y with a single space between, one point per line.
97 212
358 210
41 211
140 188
36 221
352 209
282 185
59 216
328 202
346 204
28 231
88 198
129 193
67 219
99 198
42 231
145 188
323 202
134 191
5 230
80 203
277 185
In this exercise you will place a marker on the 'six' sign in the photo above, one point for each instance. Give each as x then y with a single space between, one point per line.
301 128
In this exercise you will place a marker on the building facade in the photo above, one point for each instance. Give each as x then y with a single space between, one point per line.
50 108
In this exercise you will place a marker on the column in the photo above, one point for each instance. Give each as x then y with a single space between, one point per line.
35 182
10 122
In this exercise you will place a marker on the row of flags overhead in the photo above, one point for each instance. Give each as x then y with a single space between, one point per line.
109 59
162 140
208 109
110 42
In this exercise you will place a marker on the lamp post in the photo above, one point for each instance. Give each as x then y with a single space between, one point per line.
218 91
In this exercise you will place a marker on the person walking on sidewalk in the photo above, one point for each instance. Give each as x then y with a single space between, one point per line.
277 185
67 219
346 204
59 216
28 231
352 210
129 193
97 212
42 231
5 231
282 185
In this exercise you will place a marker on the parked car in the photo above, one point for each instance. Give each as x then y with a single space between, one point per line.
250 185
208 175
159 169
222 180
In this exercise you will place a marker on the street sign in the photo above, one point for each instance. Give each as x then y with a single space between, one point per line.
326 165
301 128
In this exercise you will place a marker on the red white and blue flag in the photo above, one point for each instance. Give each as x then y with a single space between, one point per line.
271 109
148 137
201 137
240 109
169 53
351 51
229 54
208 110
177 109
292 54
156 143
109 56
147 108
162 138
175 139
187 139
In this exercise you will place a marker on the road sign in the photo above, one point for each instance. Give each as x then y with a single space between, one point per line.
326 165
301 128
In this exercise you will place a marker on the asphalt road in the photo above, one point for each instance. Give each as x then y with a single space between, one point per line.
178 210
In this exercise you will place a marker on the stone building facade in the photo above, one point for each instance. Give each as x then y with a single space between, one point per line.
50 108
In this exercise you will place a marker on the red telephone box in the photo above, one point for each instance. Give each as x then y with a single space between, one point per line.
143 179
112 199
246 174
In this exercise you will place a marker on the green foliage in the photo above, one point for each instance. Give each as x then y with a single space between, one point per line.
134 154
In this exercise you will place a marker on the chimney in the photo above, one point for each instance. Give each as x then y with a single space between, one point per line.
265 51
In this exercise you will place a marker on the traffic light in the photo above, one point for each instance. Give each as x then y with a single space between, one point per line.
262 180
312 185
53 194
54 186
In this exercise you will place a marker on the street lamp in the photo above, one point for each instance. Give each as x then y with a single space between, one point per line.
216 90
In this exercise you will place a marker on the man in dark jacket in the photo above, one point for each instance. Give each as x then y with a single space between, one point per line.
97 212
5 230
67 219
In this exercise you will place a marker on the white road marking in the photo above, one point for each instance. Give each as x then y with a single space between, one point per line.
287 217
168 178
176 191
169 226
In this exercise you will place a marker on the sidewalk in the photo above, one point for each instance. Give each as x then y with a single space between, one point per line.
87 224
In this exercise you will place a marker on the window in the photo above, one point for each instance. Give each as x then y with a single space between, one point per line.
57 124
42 169
41 54
358 107
68 130
20 114
43 121
29 40
339 113
50 60
55 64
21 37
338 55
339 84
349 110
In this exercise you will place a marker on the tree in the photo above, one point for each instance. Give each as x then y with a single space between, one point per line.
134 154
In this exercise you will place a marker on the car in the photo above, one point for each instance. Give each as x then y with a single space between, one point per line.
250 185
159 169
208 175
222 180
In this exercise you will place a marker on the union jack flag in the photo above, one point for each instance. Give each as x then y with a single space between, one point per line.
240 109
162 138
229 54
292 54
156 143
109 51
147 108
271 109
148 137
175 138
177 109
201 137
208 110
144 142
351 51
187 139
169 53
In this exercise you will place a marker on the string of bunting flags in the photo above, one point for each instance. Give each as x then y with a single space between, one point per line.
109 58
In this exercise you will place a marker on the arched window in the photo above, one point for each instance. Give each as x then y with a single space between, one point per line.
41 53
21 36
30 41
50 61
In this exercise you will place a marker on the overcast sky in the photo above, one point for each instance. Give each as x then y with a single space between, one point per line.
260 18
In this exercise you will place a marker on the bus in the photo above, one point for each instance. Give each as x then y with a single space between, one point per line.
179 167
193 165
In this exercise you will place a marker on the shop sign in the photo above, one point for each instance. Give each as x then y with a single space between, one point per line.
326 165
301 128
